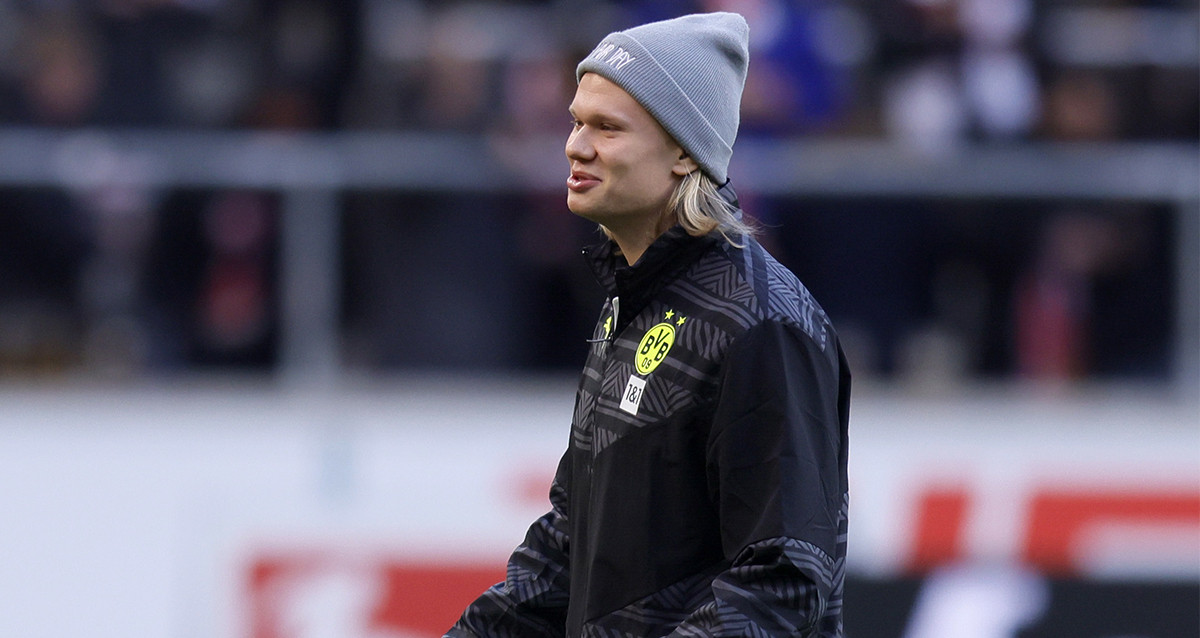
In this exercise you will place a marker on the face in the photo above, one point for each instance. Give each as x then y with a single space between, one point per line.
624 166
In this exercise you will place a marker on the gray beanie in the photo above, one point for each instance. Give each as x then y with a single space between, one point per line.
688 72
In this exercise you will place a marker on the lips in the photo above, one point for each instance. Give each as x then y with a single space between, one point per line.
580 181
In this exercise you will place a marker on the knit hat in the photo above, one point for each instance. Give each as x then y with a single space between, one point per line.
688 72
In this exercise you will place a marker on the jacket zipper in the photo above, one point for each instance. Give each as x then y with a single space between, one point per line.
616 314
603 360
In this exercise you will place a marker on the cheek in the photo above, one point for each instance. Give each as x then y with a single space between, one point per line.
653 174
646 165
655 183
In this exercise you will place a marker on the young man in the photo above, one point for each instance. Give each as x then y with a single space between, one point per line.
704 489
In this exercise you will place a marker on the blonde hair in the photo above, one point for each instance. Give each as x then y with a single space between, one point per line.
700 209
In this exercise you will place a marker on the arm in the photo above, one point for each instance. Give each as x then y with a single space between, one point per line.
532 600
777 474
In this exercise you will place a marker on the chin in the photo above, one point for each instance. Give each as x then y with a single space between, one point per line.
588 216
582 209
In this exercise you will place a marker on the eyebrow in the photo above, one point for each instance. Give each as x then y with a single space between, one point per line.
609 116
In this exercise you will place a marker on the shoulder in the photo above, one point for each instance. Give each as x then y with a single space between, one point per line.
774 292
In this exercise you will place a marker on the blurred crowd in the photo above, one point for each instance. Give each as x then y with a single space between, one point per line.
929 71
121 281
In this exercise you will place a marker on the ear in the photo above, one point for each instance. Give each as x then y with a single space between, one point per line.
684 165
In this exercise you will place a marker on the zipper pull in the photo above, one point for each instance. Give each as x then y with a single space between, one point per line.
610 324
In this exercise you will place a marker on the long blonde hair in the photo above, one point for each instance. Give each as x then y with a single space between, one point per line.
700 209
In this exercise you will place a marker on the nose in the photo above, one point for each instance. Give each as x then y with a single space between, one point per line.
579 145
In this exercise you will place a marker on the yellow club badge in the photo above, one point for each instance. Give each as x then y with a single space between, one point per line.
656 343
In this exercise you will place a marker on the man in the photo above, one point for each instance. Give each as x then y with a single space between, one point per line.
704 489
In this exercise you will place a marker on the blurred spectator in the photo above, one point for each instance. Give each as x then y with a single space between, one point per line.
1081 106
998 79
1079 311
982 68
307 63
59 73
956 69
923 108
210 282
111 273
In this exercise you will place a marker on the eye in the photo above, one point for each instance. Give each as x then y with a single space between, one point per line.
575 123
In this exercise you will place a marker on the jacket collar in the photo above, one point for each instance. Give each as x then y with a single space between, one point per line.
663 261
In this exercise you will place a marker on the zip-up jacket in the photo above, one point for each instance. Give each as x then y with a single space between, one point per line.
703 492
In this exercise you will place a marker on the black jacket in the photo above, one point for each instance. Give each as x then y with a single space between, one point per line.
704 489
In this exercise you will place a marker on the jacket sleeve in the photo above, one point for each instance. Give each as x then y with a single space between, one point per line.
777 475
532 600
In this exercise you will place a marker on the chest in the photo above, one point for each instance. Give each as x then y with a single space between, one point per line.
661 368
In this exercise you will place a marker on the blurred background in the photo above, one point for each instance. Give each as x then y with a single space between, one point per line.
291 305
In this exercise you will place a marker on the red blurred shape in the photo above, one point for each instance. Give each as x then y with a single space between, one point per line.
941 519
429 598
297 594
1058 520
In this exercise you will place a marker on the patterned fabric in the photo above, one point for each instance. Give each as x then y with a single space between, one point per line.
704 489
